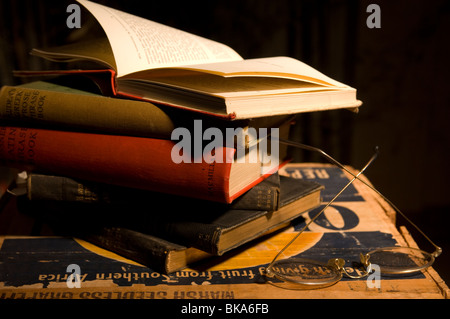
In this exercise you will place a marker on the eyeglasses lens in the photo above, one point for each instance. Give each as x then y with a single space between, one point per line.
400 260
304 273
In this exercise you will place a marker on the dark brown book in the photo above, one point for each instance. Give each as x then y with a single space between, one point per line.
214 231
159 254
39 187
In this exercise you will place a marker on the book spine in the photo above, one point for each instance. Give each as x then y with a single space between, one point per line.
135 162
28 106
264 196
151 251
202 236
145 249
229 116
60 188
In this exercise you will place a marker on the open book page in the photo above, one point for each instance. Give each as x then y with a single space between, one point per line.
98 51
140 44
274 67
284 67
238 86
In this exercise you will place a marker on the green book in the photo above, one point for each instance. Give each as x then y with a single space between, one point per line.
52 105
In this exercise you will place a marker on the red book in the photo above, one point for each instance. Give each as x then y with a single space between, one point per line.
136 162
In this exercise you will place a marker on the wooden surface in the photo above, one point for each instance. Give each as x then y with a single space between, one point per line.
36 266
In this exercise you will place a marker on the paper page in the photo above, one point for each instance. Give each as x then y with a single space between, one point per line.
275 66
235 86
140 44
98 51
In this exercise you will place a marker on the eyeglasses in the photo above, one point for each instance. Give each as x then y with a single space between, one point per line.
302 273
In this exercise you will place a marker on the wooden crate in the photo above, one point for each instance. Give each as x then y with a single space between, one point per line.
36 267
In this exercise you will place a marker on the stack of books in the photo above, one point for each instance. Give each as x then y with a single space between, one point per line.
169 162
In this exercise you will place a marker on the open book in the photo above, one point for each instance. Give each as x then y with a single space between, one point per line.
157 63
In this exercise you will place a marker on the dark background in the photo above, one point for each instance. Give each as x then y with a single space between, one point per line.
401 72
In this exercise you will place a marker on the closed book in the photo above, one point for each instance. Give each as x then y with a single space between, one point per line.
49 104
218 232
159 254
136 162
42 187
69 104
214 231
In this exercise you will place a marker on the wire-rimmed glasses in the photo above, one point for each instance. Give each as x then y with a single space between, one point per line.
301 273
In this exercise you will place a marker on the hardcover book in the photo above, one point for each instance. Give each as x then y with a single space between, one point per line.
153 62
43 187
72 103
214 231
136 162
53 105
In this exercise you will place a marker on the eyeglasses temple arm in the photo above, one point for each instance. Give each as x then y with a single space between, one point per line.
324 208
438 250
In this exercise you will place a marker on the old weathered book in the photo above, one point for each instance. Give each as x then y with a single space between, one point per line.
69 103
154 252
153 62
137 162
158 254
214 231
43 187
51 105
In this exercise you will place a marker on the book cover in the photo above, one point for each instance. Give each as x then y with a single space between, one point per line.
51 105
43 187
161 255
215 231
69 103
135 162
